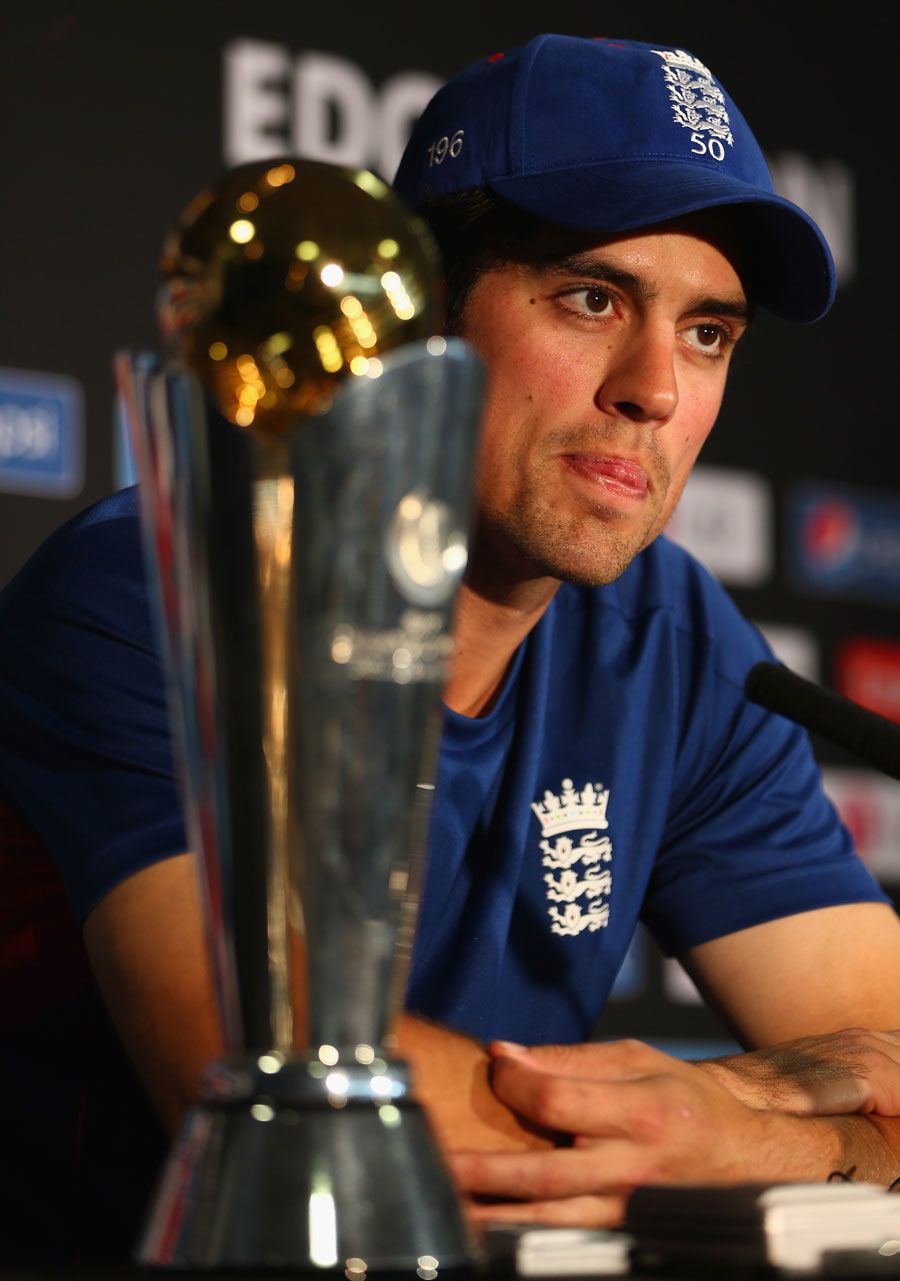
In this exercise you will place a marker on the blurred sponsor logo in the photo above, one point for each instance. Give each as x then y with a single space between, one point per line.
844 542
826 189
724 518
797 648
869 805
831 533
317 105
868 671
41 434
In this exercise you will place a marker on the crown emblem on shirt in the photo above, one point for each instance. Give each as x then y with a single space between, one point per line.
578 875
572 809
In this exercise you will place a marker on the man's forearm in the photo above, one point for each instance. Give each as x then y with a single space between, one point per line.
843 1089
453 1081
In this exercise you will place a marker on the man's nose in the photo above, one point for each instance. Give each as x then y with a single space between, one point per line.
639 381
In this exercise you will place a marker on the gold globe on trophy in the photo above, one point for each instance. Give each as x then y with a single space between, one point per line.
288 277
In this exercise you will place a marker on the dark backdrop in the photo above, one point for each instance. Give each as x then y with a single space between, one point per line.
114 116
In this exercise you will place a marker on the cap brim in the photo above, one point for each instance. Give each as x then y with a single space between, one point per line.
793 268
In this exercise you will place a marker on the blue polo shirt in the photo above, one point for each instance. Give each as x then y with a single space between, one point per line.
620 776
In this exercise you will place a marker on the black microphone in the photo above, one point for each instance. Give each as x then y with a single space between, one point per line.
873 738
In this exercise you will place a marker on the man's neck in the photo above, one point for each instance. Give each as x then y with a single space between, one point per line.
487 630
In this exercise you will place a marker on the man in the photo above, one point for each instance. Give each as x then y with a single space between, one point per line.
608 222
599 762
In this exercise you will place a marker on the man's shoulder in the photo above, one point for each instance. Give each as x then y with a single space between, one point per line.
101 545
112 518
85 581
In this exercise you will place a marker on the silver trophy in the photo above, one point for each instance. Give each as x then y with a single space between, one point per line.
305 454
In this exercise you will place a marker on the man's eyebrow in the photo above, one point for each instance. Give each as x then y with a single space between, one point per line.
592 267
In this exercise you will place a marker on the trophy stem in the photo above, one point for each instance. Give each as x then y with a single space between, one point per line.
273 507
411 890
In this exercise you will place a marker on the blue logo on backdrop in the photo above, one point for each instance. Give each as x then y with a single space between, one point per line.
844 542
41 434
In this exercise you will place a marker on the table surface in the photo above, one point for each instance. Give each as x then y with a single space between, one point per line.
851 1265
855 1267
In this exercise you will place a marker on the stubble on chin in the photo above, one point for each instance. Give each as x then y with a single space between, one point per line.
588 551
587 548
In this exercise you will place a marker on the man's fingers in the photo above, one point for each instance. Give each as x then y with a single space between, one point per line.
575 1105
544 1176
575 1212
598 1060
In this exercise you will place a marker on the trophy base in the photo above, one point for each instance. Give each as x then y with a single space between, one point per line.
292 1164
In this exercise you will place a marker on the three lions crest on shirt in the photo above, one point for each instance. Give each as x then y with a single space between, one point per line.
577 857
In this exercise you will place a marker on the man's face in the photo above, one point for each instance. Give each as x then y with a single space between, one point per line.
606 369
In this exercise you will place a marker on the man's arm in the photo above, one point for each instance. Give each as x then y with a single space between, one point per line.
635 1114
639 1116
804 975
146 945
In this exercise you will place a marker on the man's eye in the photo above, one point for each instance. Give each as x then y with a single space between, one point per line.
593 299
709 335
711 338
597 300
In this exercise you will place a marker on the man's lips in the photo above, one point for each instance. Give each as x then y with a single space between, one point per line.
621 475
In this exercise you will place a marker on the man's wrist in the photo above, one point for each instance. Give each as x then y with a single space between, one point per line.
795 1149
871 1147
813 1149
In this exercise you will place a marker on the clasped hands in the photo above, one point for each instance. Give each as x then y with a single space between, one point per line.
599 1119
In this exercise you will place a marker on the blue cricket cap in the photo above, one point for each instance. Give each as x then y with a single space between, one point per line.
607 136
